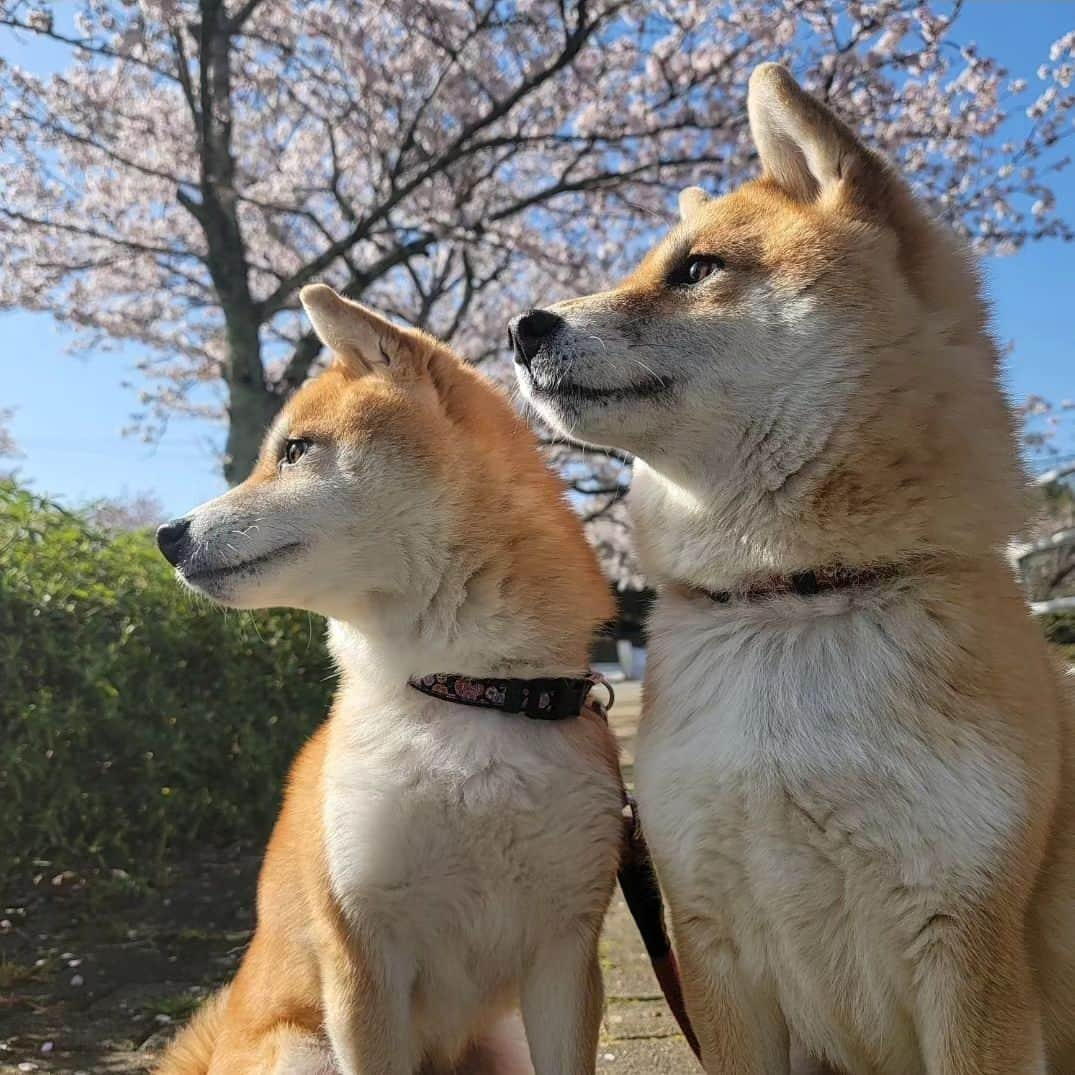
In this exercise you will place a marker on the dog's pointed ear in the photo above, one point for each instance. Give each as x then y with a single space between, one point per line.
806 149
361 339
691 199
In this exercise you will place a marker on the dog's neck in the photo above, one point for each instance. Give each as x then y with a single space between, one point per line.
470 625
882 488
731 544
707 535
520 608
387 659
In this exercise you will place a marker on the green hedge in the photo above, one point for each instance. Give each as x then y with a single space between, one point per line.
136 721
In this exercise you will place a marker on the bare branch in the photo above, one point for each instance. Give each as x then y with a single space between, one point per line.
239 19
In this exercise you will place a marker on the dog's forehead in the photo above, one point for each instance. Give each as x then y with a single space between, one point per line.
759 228
339 404
750 228
753 222
318 399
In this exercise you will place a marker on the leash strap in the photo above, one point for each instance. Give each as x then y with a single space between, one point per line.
638 883
642 894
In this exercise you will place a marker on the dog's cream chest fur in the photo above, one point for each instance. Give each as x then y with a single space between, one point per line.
796 800
462 839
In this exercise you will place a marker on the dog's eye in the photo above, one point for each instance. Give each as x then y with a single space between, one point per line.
294 450
699 268
696 268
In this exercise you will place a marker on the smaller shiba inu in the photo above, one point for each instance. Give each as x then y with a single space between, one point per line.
436 865
856 764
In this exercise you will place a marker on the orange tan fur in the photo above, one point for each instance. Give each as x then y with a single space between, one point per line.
861 805
434 867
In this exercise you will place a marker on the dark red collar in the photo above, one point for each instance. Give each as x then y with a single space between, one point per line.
804 583
551 698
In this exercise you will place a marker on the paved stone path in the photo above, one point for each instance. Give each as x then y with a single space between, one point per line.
639 1036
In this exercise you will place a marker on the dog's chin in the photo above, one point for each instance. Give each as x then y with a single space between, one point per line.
604 415
250 584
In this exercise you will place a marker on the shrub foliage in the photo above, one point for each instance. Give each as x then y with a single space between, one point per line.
136 721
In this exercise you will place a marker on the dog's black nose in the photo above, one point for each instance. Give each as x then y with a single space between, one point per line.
529 331
172 539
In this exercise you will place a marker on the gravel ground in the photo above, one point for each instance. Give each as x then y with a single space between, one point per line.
96 973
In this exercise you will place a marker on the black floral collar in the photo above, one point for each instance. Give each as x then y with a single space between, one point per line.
552 698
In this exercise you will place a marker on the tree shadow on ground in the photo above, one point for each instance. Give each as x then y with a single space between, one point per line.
96 971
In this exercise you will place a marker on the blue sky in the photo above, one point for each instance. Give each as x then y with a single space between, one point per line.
70 411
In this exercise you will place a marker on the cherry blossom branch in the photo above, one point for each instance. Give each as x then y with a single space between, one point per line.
573 43
45 29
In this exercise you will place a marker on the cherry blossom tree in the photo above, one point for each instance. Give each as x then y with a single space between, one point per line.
8 448
194 162
1048 436
138 511
1045 554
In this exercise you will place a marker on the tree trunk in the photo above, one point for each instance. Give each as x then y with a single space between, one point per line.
251 409
252 405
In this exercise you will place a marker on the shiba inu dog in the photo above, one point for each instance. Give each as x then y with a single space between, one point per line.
435 866
856 765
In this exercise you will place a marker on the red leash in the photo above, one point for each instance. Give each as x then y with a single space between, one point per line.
638 883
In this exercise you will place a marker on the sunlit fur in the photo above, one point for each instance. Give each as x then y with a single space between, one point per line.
862 805
434 867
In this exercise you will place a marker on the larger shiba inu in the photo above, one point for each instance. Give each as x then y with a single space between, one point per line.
435 864
856 763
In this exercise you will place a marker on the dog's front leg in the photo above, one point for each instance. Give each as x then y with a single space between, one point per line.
561 1000
367 1013
976 1005
740 1028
